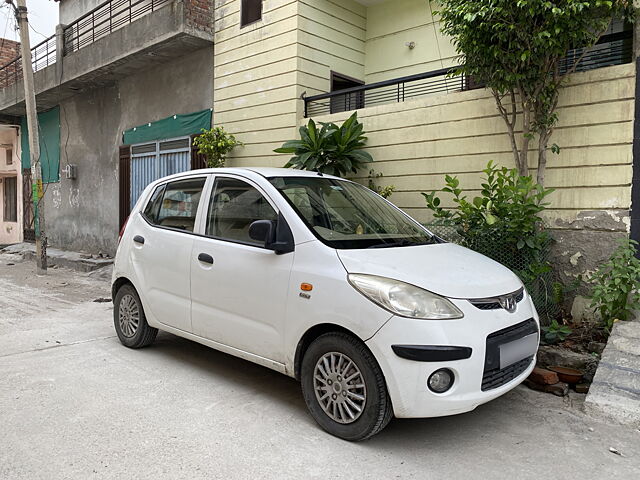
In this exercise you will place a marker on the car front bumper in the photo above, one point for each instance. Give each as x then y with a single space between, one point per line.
475 382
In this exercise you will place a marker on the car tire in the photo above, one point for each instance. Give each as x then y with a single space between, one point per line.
363 379
130 321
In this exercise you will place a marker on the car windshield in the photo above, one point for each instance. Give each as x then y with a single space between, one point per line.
346 215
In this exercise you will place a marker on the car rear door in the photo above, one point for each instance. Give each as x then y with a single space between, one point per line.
238 287
162 249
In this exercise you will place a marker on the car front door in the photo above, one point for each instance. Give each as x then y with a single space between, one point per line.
162 250
238 287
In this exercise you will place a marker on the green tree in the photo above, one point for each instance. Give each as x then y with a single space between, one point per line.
515 48
332 149
215 144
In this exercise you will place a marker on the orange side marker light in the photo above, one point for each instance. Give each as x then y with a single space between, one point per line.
306 287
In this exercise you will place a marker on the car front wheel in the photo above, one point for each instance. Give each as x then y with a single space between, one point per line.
344 388
129 319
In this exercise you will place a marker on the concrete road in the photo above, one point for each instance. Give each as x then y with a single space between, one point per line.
74 403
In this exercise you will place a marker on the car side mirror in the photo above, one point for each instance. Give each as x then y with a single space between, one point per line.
262 230
275 234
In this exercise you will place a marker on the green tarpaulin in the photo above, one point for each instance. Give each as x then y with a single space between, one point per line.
49 129
170 127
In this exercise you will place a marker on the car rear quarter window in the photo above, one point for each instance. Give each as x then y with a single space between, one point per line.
175 204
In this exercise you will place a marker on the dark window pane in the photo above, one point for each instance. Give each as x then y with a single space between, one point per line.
10 213
151 210
251 12
349 101
180 204
234 206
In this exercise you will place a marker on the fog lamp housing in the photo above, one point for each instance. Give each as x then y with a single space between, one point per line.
441 380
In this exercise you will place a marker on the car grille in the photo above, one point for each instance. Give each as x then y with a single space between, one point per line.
493 376
496 378
494 303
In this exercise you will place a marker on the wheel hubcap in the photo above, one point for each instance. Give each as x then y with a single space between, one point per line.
339 387
128 316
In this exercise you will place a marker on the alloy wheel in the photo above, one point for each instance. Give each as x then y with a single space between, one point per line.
128 315
339 387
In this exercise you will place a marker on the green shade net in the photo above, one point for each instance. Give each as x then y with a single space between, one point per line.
170 127
49 129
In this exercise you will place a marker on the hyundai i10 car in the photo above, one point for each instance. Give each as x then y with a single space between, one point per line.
323 280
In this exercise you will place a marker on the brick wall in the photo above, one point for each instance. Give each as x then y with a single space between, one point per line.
200 14
9 50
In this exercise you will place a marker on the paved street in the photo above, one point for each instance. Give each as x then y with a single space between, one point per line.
74 403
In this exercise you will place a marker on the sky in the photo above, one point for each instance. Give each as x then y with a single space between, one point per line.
43 18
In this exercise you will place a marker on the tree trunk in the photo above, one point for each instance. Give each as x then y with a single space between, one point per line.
523 165
543 142
509 118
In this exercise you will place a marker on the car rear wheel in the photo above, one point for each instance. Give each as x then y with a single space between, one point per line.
129 319
344 387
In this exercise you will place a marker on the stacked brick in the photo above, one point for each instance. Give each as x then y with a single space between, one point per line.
200 14
10 71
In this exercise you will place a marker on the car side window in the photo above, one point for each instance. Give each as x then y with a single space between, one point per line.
150 212
233 206
179 204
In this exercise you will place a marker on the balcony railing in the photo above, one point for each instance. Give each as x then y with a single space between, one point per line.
42 55
104 19
614 49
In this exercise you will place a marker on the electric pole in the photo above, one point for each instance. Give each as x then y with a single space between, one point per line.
34 138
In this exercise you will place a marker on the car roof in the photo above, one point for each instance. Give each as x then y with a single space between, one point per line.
266 172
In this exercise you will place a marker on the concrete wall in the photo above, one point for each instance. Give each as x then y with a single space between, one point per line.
331 38
10 232
393 24
70 10
82 214
416 143
256 91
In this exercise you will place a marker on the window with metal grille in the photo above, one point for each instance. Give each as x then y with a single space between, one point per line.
154 160
10 197
251 12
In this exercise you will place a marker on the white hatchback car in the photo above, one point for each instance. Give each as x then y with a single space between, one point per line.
321 279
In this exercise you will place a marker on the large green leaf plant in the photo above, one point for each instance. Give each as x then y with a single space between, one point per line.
331 149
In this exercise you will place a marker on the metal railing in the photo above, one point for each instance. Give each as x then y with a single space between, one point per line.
105 19
389 91
42 55
614 49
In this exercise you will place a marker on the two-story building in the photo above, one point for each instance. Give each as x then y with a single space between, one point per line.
121 81
115 73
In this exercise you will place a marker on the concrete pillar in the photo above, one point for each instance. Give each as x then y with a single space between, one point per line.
59 51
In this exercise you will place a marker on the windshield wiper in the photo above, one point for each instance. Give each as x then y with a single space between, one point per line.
399 243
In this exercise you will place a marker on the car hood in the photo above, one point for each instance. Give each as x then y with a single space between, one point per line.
445 268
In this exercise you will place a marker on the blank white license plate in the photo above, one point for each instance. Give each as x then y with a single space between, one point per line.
515 351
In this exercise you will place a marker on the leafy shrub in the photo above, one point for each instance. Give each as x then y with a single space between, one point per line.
215 144
332 149
615 294
555 333
384 192
503 223
505 215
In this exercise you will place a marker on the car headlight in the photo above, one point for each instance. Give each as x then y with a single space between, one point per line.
404 299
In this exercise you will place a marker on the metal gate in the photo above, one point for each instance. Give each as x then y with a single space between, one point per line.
28 228
154 160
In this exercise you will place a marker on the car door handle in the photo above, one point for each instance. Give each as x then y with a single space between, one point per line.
139 239
205 258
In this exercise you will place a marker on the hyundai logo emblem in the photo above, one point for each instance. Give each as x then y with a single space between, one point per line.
508 302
